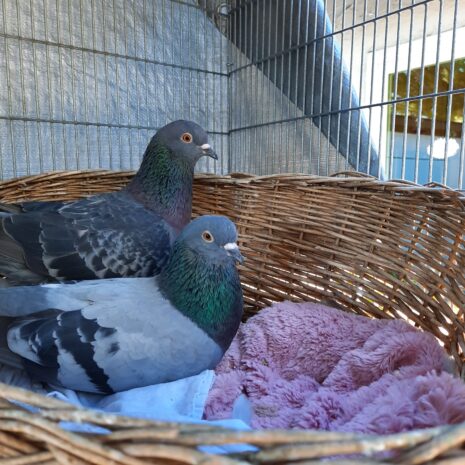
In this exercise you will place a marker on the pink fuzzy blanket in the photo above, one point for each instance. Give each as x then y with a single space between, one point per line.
311 366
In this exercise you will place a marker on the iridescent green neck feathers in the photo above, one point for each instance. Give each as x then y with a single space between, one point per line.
206 291
164 184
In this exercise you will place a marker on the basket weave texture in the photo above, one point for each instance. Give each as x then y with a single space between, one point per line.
381 249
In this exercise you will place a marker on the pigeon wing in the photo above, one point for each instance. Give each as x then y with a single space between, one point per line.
59 346
99 237
108 335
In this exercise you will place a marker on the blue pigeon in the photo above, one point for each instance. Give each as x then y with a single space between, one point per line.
84 336
121 234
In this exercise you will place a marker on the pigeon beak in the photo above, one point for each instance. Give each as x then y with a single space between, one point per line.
233 251
207 150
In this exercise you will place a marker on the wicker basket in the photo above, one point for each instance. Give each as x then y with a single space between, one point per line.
382 249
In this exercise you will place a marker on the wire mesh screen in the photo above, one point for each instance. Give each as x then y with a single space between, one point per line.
289 85
313 86
324 85
85 83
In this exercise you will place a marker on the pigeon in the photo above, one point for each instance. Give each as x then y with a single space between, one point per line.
83 336
120 234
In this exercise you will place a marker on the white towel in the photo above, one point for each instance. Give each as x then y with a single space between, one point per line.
179 401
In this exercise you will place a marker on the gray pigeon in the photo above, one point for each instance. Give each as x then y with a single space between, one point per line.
83 336
121 234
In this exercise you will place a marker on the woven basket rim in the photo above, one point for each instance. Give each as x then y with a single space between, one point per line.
424 443
348 178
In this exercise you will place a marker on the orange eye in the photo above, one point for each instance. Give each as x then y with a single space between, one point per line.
207 236
187 138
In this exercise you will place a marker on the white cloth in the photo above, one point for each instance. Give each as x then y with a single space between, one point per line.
179 401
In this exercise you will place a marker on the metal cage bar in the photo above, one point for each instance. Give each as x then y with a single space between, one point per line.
313 86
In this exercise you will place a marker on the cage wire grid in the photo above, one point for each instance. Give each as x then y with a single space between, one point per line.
313 86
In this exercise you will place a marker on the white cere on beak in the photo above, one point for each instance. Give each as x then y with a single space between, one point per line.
233 251
205 146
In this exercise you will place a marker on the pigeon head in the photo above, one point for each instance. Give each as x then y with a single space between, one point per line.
164 181
201 279
185 139
212 237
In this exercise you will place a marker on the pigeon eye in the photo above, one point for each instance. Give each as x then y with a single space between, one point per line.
187 138
207 236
